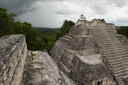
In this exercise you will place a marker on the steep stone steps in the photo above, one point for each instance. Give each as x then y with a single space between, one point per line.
119 71
108 43
117 49
119 65
107 39
114 49
68 37
64 40
115 54
112 59
121 82
121 74
119 68
118 62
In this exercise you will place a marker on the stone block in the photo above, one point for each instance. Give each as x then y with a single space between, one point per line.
13 55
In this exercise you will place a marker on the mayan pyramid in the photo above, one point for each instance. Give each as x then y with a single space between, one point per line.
92 53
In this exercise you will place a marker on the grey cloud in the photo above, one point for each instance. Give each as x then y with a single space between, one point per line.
99 10
52 13
62 12
17 6
118 3
99 7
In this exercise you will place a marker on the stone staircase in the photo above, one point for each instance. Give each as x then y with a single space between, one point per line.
115 54
65 39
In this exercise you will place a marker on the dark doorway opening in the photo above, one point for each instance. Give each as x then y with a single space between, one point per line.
100 83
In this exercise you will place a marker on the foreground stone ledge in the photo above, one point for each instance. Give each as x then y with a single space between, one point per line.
13 50
42 70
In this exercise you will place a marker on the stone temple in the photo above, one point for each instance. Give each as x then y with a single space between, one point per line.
92 53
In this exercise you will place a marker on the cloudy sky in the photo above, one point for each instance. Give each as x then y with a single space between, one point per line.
52 13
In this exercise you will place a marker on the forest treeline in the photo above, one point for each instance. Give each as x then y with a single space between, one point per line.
46 31
35 39
8 26
123 30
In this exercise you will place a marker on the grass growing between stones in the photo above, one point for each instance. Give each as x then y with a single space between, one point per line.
32 54
32 58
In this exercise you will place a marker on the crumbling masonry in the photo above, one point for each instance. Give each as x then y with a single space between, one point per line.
93 54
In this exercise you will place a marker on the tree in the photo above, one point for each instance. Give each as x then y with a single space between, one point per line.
50 40
82 17
123 30
5 19
102 20
65 28
8 26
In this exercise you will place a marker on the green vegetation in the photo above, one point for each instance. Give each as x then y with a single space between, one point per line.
82 17
102 20
35 40
8 27
51 39
32 54
123 30
46 31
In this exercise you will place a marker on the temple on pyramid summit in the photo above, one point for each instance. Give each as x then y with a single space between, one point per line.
92 53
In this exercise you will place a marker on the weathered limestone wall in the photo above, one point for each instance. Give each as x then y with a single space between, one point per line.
42 70
72 55
13 50
76 53
123 39
89 69
84 44
96 23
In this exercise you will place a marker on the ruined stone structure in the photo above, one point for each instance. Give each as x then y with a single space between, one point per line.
39 70
12 58
93 54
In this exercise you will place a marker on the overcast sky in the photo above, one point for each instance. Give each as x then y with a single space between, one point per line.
52 13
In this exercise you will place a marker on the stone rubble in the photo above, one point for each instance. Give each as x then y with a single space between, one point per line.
42 70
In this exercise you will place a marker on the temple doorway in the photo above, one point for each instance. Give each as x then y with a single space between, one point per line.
100 83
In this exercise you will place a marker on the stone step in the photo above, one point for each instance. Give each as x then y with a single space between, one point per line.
113 46
118 62
109 38
118 65
119 78
121 82
115 53
104 38
64 40
119 68
119 71
121 74
110 41
113 43
113 59
113 49
68 37
110 44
